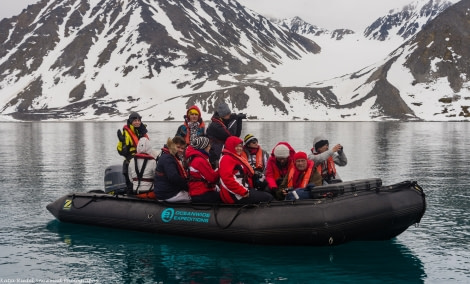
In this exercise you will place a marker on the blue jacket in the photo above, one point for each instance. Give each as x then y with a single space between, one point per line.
169 180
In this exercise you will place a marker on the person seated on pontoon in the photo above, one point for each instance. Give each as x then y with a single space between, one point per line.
236 176
299 176
202 178
258 159
171 181
278 164
142 169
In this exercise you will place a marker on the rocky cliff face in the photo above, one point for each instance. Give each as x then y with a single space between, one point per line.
68 47
299 26
82 59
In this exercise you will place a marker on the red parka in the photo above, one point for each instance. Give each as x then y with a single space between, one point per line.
202 178
236 174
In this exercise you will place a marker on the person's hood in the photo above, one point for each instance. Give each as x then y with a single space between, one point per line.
171 147
231 143
195 108
144 147
291 150
318 138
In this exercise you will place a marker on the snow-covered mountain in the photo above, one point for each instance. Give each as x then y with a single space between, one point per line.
407 21
427 77
351 51
98 60
401 22
299 26
74 58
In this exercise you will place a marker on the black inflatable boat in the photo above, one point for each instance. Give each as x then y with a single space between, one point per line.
360 210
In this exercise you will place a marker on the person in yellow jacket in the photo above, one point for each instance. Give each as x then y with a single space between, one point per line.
129 137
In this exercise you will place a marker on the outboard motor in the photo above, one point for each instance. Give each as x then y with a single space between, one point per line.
114 180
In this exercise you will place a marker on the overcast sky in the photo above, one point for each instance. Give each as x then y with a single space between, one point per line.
14 7
330 14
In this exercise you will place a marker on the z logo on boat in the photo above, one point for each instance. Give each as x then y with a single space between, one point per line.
68 204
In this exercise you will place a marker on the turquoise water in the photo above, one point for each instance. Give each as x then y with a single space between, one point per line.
142 257
43 161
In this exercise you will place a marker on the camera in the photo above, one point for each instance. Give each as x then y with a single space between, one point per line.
242 115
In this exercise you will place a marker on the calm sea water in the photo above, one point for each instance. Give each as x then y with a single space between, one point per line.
42 161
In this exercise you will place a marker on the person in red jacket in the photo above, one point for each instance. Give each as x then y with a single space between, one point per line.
202 178
282 156
236 176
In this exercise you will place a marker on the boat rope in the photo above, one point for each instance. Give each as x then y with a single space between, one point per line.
234 217
93 199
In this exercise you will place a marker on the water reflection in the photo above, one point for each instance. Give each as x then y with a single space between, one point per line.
43 161
140 257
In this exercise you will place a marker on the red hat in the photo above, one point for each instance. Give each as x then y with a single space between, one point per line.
300 155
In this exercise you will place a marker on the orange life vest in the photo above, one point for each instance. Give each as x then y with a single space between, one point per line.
182 171
277 173
305 179
330 168
259 159
135 139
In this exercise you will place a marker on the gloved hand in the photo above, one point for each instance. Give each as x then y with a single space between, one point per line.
256 176
279 194
125 150
121 137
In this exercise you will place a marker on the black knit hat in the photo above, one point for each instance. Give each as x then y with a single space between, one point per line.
134 115
200 142
320 144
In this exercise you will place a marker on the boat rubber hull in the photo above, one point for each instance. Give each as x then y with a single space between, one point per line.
344 213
